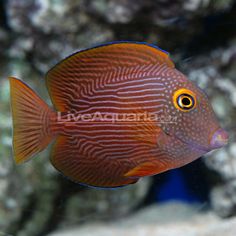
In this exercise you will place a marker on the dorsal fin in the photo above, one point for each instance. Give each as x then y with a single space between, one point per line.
103 63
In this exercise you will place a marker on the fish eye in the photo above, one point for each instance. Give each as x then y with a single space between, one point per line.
184 100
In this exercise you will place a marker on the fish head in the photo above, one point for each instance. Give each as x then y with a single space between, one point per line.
193 121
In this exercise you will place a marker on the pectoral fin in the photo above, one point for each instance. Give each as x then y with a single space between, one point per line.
147 169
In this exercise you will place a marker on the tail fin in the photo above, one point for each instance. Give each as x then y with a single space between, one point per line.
30 121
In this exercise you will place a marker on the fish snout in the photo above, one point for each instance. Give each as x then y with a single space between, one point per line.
219 139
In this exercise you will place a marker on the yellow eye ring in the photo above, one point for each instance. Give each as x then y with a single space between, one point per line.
184 100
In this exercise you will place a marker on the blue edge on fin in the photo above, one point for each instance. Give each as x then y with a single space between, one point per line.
126 41
117 42
91 186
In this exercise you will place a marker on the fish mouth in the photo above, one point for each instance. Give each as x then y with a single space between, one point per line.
218 139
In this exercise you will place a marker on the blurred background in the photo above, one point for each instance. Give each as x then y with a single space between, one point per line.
198 199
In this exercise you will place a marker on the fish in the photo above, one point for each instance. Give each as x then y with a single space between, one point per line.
121 111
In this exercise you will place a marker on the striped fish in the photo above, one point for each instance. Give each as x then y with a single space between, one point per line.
121 112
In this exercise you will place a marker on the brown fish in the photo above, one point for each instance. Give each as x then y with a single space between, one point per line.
121 112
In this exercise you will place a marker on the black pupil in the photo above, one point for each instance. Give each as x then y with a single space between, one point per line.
186 101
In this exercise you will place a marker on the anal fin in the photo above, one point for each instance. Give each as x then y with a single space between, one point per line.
69 159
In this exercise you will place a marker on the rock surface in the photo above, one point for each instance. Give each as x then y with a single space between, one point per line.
169 219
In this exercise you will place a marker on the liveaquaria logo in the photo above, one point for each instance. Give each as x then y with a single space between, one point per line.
114 117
